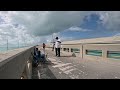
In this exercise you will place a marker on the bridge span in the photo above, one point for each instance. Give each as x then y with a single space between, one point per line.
69 66
84 59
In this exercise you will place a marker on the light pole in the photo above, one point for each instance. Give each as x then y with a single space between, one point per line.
5 35
18 43
18 40
24 42
7 43
52 38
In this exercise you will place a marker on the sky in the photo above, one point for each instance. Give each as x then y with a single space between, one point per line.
35 27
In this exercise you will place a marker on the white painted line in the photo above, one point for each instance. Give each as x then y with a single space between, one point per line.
38 74
60 72
116 77
61 65
55 62
66 68
80 70
74 77
59 61
52 59
69 71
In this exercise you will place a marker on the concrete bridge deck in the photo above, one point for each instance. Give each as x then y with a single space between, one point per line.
69 67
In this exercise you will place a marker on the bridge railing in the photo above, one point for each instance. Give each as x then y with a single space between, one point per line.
94 51
16 64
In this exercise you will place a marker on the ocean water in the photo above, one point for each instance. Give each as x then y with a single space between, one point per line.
3 49
110 54
75 50
94 52
114 54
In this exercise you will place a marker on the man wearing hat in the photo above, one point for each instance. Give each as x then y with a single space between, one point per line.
57 46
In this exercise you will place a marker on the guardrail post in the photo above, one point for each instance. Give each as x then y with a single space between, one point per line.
104 53
81 50
62 49
69 49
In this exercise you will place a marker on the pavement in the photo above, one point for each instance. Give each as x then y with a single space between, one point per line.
69 67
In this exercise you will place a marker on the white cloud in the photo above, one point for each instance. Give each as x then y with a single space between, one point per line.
118 34
32 25
44 23
78 29
110 20
67 38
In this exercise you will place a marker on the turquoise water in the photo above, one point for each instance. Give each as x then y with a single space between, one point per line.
94 52
2 49
75 50
114 54
110 54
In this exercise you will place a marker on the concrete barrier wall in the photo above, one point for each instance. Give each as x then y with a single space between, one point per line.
17 65
103 47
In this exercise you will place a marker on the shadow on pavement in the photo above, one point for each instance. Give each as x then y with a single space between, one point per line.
45 72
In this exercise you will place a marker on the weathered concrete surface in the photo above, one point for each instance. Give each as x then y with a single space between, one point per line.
68 67
16 62
103 47
43 72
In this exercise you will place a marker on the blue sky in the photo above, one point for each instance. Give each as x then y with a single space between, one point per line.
92 23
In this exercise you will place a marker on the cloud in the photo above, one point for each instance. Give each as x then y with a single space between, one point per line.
47 22
78 29
118 34
34 27
110 20
67 38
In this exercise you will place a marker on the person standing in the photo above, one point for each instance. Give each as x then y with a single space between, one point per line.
53 46
44 47
57 46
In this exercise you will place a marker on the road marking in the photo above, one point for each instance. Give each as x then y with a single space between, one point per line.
116 77
59 61
55 63
69 71
60 72
74 76
38 74
52 59
64 69
61 65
